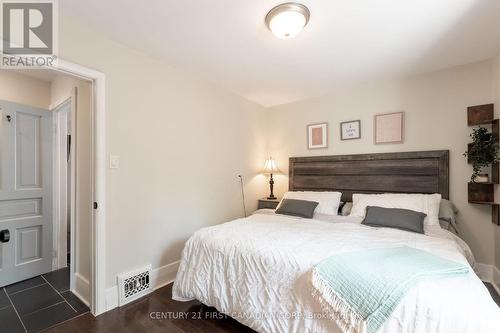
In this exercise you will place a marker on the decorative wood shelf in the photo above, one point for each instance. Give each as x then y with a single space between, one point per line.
482 202
480 114
484 193
481 192
494 173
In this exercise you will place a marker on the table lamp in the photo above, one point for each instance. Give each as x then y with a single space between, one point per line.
271 168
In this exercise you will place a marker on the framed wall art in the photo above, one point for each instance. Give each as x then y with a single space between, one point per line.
317 136
389 128
350 130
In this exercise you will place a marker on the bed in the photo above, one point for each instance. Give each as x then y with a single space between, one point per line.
257 269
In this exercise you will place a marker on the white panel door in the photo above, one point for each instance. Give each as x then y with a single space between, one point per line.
25 192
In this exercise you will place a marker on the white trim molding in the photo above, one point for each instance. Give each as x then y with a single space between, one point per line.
484 271
160 277
112 298
488 273
164 275
60 193
98 246
56 191
82 288
73 191
496 279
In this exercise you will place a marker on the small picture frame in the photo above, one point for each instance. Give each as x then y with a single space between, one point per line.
317 136
389 128
350 130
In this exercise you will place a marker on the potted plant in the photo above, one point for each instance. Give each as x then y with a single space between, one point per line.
483 151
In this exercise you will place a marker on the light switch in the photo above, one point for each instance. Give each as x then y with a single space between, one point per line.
114 161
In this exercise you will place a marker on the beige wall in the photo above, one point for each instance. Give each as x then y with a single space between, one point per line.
181 143
22 89
496 92
61 89
435 106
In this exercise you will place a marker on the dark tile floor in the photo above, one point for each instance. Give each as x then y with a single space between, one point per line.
39 303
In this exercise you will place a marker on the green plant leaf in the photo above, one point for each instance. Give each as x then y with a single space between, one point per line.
484 150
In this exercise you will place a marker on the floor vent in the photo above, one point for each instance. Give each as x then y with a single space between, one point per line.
133 285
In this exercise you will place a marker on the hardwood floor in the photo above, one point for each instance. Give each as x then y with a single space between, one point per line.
137 317
184 317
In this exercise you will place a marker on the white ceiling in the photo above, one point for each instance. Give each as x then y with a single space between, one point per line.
226 41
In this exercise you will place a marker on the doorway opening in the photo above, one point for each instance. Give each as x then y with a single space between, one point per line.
46 196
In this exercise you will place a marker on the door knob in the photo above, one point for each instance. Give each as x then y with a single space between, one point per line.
4 236
9 118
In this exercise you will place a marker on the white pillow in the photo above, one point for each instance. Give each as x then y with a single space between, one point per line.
425 203
328 202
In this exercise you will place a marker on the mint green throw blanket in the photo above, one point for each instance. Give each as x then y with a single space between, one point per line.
361 289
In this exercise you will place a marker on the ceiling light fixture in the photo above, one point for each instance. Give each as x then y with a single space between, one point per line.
287 20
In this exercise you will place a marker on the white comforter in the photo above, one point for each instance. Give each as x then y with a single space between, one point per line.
257 270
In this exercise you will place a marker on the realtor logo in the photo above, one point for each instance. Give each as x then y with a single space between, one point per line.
28 33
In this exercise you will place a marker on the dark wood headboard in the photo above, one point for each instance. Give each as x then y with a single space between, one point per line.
408 172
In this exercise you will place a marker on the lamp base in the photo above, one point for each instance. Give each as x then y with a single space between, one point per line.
272 197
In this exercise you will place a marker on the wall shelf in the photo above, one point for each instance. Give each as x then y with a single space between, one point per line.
480 115
484 193
489 203
481 192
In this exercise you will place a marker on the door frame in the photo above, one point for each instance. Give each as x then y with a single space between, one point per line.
60 197
98 224
98 175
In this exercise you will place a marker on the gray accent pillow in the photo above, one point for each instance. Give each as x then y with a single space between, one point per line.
448 216
300 208
397 218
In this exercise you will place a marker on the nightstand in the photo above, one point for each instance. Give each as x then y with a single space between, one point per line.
268 203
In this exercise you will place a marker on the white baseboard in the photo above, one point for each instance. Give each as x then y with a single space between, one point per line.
160 277
111 298
484 271
496 279
488 273
82 289
84 301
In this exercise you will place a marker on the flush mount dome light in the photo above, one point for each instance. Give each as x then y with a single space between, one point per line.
287 20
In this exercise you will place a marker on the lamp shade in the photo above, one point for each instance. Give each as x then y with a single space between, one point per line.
270 167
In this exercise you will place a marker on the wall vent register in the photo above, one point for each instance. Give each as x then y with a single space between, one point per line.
134 285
